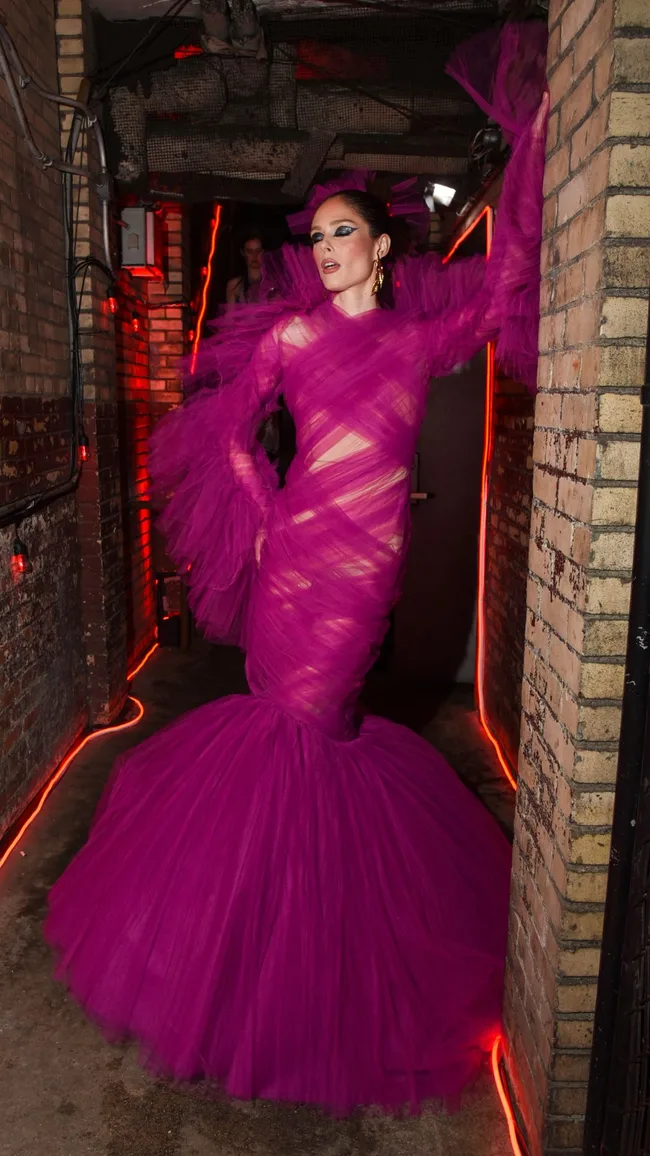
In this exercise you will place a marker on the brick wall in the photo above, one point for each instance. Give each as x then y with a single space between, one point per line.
168 302
87 605
135 426
42 691
508 529
596 269
100 497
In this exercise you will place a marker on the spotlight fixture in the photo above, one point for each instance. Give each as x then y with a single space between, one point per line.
438 194
486 146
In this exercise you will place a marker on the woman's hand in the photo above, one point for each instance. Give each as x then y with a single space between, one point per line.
539 124
259 542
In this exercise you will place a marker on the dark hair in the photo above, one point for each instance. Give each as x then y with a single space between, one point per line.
371 210
239 240
250 233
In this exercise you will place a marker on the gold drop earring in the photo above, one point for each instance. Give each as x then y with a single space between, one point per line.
379 277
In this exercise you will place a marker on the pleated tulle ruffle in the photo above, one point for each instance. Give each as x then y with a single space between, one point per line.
290 917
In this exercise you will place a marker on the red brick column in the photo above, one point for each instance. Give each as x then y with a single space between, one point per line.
151 340
134 404
596 270
168 302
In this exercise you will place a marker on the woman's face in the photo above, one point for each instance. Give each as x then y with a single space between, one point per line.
344 251
253 252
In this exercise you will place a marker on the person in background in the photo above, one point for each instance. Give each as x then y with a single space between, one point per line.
276 433
245 288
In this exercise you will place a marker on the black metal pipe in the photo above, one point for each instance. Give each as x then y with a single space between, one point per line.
628 787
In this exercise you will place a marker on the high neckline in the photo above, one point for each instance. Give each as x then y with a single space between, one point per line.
354 316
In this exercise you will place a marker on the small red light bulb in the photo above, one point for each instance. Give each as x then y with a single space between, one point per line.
136 323
84 448
190 335
19 558
112 304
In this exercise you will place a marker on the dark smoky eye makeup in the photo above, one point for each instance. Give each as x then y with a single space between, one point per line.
341 231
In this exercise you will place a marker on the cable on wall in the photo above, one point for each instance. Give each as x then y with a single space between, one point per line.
17 79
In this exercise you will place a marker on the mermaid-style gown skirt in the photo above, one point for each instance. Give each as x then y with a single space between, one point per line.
277 899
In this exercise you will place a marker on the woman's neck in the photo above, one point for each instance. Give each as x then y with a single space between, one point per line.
357 299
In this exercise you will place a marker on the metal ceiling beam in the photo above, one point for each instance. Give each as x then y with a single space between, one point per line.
308 162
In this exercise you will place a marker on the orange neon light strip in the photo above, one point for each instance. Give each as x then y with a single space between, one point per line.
503 1096
60 772
488 214
76 749
206 284
132 673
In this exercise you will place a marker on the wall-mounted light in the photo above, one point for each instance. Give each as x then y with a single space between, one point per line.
84 448
438 194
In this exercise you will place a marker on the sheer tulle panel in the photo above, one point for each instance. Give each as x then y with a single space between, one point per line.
216 485
504 70
332 558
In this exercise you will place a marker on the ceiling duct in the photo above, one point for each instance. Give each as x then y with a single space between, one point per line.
215 108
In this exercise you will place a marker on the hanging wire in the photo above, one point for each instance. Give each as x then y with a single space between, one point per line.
17 79
150 35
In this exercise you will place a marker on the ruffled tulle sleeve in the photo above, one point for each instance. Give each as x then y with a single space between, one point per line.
449 297
470 302
213 479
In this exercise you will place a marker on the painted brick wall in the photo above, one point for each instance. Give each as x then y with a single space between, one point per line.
596 267
42 684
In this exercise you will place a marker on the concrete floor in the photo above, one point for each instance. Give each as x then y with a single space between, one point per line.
64 1092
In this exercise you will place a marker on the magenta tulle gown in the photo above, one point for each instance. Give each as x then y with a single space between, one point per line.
277 896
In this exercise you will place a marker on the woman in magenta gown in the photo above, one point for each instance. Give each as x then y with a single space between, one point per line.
277 896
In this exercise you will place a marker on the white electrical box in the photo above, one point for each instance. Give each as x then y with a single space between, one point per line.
141 248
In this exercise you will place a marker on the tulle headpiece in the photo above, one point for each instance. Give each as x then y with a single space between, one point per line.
404 202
